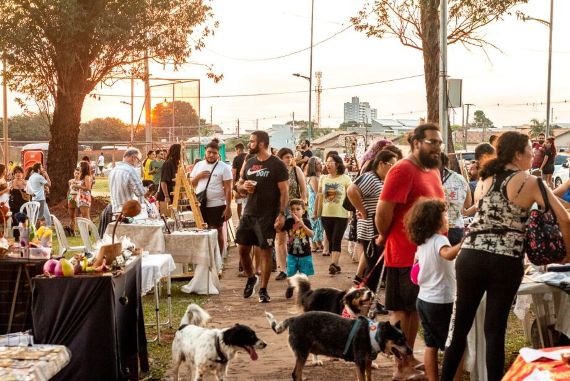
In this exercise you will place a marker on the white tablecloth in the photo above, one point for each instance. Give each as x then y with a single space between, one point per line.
146 235
155 267
539 294
200 248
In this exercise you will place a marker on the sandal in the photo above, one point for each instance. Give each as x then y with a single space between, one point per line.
326 254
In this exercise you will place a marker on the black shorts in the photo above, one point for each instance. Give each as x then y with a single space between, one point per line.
435 320
213 216
401 293
256 231
548 169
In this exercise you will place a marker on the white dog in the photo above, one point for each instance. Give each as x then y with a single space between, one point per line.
210 350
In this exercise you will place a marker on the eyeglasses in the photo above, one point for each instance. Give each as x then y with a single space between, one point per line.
433 142
388 164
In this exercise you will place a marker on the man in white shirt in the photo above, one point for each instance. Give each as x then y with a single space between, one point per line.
36 183
218 190
101 163
124 180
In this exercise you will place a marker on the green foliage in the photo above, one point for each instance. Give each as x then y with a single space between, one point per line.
537 127
480 120
231 143
105 130
58 51
301 124
28 127
184 114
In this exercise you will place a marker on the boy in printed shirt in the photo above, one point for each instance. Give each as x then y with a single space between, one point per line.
298 242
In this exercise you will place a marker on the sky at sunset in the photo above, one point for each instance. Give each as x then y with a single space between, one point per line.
251 31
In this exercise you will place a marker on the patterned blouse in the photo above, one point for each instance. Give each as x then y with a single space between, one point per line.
499 225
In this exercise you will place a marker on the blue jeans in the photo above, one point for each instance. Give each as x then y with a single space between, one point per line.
43 212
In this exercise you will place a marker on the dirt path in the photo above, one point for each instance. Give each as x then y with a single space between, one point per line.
276 361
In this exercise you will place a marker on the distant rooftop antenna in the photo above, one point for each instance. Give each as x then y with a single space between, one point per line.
318 90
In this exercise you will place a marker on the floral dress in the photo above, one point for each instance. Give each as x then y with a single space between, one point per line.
315 223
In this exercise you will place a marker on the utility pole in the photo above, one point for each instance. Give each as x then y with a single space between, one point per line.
443 73
549 68
238 128
173 121
5 112
318 91
147 105
463 127
310 130
466 124
211 117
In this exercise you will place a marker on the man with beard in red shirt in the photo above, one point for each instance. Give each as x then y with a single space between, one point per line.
410 179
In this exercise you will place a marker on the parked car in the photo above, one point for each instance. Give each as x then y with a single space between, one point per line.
561 169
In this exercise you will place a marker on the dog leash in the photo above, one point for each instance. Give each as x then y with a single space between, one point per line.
355 326
365 280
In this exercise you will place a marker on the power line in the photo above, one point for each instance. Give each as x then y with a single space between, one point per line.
282 55
272 93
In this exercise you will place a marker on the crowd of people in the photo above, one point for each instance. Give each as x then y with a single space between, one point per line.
403 213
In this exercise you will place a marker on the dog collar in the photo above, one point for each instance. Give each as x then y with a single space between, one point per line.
347 314
223 359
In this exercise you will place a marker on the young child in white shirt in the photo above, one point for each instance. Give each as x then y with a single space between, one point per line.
427 225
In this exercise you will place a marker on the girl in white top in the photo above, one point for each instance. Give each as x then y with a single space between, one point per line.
427 224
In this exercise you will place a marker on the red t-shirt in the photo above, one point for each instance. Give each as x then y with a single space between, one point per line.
404 185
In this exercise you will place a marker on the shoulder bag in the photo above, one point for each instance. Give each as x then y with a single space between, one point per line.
543 239
202 196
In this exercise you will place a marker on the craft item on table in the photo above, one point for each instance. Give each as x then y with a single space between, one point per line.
44 236
165 223
108 253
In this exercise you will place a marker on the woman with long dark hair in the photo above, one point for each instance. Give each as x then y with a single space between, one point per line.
547 166
167 177
491 257
313 171
84 189
364 194
18 196
330 196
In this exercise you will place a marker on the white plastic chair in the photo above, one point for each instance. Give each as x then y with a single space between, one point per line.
63 243
32 210
87 229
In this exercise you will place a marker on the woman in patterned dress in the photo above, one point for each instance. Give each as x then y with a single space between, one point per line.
312 173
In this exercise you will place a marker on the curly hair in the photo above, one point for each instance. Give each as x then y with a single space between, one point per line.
424 219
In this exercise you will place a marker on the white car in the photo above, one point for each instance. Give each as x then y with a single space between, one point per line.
561 169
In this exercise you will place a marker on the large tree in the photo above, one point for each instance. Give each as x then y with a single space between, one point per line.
59 50
416 24
185 119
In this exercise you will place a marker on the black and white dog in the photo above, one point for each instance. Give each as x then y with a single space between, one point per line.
210 350
325 333
352 303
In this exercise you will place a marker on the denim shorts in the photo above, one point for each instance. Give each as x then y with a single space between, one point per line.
302 264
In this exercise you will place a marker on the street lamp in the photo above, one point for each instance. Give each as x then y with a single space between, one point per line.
310 127
524 17
132 120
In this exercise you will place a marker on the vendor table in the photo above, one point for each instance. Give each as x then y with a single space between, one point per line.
541 294
85 314
36 363
553 370
199 247
145 234
154 268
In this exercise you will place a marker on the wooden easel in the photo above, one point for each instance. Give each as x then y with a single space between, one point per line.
183 186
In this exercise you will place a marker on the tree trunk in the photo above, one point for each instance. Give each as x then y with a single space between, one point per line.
63 148
430 47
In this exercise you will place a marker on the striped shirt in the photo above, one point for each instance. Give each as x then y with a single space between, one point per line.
370 187
124 184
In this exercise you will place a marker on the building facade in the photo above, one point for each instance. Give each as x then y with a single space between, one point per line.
360 112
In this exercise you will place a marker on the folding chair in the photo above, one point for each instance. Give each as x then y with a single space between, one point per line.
87 229
62 239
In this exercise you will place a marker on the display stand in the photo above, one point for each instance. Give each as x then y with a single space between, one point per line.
183 186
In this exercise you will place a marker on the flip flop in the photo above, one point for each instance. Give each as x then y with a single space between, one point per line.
326 254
